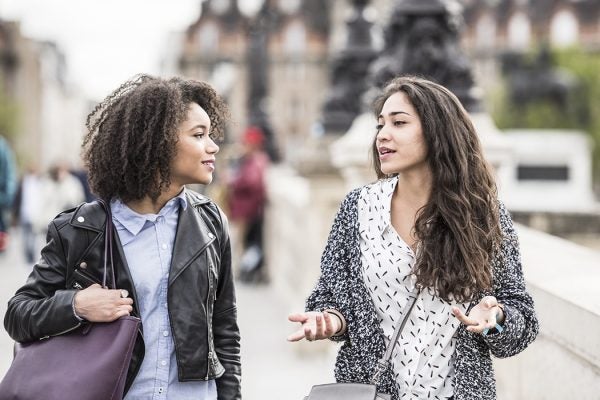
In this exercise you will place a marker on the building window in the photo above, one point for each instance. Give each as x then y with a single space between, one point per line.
543 173
564 29
485 32
519 31
294 40
208 38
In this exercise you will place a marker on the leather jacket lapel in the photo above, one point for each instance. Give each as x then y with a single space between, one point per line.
192 237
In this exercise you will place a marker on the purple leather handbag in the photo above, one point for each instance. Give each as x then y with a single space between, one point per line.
88 363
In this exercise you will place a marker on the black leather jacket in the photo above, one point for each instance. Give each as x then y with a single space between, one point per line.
201 267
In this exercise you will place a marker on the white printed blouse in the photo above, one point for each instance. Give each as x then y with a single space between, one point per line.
423 360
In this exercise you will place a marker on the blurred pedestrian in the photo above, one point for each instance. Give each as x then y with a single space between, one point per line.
247 198
429 232
8 185
27 205
81 174
60 191
172 256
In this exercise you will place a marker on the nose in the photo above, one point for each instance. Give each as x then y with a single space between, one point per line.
212 147
382 134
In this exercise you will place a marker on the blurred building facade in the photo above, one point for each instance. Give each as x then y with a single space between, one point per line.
215 49
495 27
49 113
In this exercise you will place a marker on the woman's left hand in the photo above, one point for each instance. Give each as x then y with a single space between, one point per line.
484 316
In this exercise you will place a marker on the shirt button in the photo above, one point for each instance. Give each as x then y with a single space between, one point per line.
165 333
164 246
163 363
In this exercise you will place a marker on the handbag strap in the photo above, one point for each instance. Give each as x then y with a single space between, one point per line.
108 239
383 362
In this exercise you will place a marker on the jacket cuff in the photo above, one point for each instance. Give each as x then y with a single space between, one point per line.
512 327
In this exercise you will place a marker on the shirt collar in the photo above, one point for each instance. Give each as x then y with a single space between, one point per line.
386 190
134 222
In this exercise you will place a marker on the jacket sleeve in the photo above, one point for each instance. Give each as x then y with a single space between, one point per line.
226 330
335 267
42 307
520 324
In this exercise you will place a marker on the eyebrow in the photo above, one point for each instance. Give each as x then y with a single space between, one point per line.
199 126
391 114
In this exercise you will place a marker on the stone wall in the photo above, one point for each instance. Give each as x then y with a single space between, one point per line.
563 278
564 361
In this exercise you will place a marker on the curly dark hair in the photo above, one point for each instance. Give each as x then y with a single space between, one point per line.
132 134
458 230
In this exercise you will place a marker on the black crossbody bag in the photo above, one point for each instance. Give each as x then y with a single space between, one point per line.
363 391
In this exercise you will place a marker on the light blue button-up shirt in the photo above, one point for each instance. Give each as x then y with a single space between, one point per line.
148 246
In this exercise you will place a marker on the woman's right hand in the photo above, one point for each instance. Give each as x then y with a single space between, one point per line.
315 326
96 304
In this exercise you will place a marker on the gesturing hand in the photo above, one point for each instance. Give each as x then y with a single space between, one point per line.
315 326
97 304
484 316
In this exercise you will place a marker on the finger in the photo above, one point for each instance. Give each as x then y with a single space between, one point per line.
329 329
121 313
491 320
296 336
308 333
300 317
476 328
462 317
489 302
319 329
127 300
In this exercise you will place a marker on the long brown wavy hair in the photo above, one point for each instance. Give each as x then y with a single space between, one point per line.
132 134
458 230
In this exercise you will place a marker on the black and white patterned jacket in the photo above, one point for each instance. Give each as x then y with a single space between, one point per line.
341 287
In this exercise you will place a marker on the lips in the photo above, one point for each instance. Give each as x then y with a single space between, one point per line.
384 150
209 163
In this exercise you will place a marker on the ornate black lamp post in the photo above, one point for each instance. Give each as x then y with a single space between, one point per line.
422 38
349 71
258 70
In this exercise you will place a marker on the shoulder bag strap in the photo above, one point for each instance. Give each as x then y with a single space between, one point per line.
108 239
383 362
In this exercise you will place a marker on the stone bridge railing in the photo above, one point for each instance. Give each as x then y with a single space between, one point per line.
563 278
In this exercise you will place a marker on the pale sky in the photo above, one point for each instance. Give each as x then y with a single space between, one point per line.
106 41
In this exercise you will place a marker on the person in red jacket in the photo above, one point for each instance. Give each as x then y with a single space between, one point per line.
246 201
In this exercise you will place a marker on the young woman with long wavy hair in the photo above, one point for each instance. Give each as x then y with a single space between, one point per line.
431 228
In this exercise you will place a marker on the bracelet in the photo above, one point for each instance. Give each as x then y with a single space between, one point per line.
341 318
75 312
498 328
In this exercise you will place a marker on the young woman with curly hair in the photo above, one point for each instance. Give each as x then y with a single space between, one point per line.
145 143
432 230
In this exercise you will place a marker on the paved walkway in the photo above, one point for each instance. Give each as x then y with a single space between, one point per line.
272 367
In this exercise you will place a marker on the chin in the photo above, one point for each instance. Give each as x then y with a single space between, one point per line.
206 180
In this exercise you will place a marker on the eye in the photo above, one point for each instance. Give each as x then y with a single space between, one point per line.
199 134
378 127
399 123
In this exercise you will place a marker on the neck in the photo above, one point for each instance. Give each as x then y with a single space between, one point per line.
149 206
414 187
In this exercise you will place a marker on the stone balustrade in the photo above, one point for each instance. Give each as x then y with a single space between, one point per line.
563 278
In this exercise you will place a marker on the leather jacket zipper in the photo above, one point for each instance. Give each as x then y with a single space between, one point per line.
61 333
208 321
